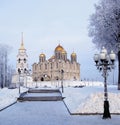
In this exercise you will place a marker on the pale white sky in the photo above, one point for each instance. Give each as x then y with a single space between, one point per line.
45 24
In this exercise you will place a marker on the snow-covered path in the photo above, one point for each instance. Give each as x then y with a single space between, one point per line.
48 113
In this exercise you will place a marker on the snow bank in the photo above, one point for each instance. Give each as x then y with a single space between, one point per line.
65 83
82 83
90 99
9 96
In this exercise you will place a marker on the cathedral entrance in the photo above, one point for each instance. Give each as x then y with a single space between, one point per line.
57 78
42 79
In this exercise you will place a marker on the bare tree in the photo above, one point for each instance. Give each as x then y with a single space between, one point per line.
104 27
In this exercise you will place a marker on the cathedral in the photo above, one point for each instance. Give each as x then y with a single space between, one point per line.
57 67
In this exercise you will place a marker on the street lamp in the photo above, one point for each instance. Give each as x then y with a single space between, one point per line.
118 44
105 63
59 72
27 73
62 71
35 79
19 72
51 73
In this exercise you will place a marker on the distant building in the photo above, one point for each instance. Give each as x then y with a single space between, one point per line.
22 58
52 69
22 74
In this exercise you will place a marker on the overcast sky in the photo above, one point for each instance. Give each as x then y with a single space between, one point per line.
45 24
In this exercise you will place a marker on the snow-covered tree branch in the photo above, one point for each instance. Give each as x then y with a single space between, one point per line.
5 71
104 27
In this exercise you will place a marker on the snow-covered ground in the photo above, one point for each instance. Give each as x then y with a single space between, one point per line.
9 96
87 99
49 113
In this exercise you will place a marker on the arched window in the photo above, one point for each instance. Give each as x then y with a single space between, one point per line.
45 66
19 71
35 67
40 67
19 60
51 66
56 65
59 56
24 60
25 70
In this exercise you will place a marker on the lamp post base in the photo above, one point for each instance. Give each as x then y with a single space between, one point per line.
62 90
118 86
106 113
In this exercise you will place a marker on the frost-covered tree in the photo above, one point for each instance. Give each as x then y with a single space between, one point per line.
4 70
104 27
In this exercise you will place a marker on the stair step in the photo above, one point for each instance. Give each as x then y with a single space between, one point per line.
43 90
52 98
41 95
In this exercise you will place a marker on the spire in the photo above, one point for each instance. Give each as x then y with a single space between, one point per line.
22 44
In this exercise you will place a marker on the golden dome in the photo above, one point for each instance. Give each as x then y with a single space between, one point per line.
42 55
73 54
59 48
52 57
64 52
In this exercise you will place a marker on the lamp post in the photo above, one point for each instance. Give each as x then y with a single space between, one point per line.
118 66
35 79
19 72
27 73
51 73
105 63
59 72
62 72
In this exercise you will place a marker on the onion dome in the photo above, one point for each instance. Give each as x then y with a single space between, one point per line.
59 48
51 58
64 52
42 55
73 54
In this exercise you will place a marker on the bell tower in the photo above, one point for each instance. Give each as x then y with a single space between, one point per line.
22 58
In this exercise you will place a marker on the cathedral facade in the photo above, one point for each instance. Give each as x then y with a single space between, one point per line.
57 67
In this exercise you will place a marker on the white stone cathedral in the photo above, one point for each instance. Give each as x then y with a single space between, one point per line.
56 67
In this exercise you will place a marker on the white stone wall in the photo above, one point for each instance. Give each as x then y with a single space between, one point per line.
71 70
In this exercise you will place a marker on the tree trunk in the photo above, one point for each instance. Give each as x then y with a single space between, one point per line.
6 73
118 70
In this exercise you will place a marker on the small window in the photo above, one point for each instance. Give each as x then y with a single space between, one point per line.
51 66
45 66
